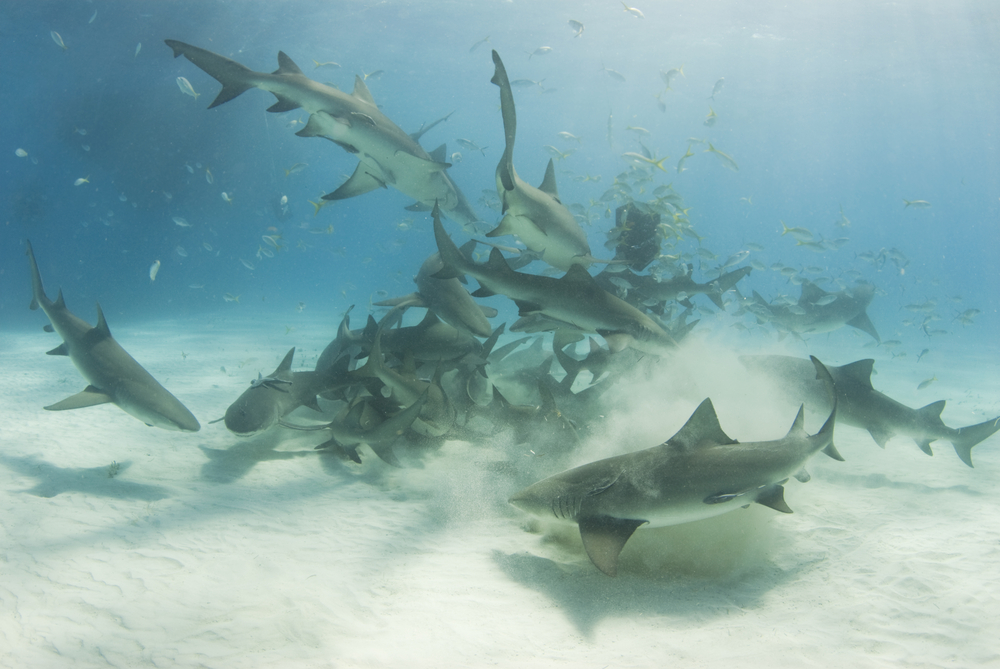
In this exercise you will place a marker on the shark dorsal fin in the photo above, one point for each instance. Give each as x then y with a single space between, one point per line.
811 292
798 426
497 262
60 302
702 428
102 325
440 154
932 412
859 371
548 185
429 319
361 91
285 367
579 275
286 65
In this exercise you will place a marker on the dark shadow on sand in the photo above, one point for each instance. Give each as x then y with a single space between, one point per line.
233 463
104 481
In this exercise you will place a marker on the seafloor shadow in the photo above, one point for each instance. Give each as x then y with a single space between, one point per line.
102 481
226 465
879 480
588 596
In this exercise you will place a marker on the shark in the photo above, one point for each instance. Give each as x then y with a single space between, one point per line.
860 405
680 287
112 374
387 155
818 311
271 398
698 473
575 299
446 298
536 215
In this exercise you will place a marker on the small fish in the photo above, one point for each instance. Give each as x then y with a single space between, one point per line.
85 147
844 222
80 131
229 297
711 118
455 157
272 240
154 269
540 51
208 176
93 17
556 153
265 252
295 169
825 300
57 38
328 63
182 222
671 74
138 48
471 146
228 198
568 136
727 160
302 306
82 180
189 168
247 264
615 74
638 158
478 44
283 201
577 26
181 251
923 353
633 11
319 205
680 163
800 234
21 153
717 88
916 204
642 132
187 88
373 75
923 384
207 246
524 83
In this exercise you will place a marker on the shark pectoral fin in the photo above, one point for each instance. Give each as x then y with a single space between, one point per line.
863 323
525 308
417 164
604 538
617 341
924 445
479 292
489 312
880 435
507 226
361 182
88 397
386 454
774 497
283 105
61 349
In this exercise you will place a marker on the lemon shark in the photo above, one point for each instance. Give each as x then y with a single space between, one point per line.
574 299
698 473
860 405
819 311
388 156
113 375
535 215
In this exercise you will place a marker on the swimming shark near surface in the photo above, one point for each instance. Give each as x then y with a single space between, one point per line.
535 215
818 311
574 299
113 375
698 473
388 156
860 405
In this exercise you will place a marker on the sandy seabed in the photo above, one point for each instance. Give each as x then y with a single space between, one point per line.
207 550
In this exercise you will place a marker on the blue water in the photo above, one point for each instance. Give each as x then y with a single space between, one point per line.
826 107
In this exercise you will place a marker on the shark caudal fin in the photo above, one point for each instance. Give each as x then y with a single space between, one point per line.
505 169
967 437
235 78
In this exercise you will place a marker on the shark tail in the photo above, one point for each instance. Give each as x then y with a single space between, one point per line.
727 282
235 78
826 432
505 170
967 437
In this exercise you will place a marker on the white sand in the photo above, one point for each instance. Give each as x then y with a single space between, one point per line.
207 550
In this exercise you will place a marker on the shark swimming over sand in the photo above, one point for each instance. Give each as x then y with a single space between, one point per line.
574 299
114 376
860 405
388 156
818 311
698 473
535 215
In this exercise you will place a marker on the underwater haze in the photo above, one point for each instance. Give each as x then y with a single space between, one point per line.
827 174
